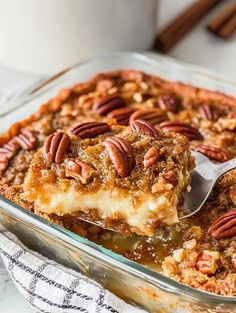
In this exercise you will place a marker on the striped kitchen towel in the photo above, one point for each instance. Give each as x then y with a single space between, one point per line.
52 288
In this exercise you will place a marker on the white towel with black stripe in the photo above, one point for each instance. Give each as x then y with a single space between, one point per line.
52 288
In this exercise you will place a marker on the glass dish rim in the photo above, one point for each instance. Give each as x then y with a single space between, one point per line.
153 277
55 79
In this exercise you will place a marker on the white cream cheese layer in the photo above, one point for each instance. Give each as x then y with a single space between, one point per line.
109 203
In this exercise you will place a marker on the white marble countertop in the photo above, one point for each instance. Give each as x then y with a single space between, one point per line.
199 47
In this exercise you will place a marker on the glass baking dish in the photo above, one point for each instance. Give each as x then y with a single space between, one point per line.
129 280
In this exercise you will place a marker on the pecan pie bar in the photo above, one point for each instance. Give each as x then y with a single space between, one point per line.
127 178
199 251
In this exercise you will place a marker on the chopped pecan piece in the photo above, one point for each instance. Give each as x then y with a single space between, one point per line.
168 102
233 260
56 146
150 157
231 115
90 130
67 110
64 94
104 85
214 152
232 193
107 104
85 102
190 244
113 91
208 262
208 112
144 86
133 75
182 128
141 97
145 128
129 87
121 154
26 140
121 115
224 226
225 123
79 170
153 116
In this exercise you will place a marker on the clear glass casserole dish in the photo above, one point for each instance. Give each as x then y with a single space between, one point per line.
129 280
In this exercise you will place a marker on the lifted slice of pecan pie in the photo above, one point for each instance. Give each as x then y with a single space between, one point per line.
127 178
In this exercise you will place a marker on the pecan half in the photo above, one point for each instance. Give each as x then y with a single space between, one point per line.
168 102
145 128
90 130
214 152
121 115
150 157
232 193
3 162
182 128
26 140
153 116
107 104
208 112
9 149
79 170
121 154
208 262
55 147
224 226
7 152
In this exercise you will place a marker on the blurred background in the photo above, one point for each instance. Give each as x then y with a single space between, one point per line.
199 46
42 37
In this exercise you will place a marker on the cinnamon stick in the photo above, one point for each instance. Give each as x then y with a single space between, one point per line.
224 24
183 23
229 28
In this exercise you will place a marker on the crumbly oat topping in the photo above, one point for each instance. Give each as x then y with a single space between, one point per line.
208 118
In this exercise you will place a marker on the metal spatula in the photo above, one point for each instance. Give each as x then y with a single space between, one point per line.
203 180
